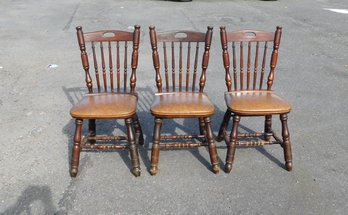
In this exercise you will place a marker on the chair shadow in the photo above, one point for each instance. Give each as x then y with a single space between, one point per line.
32 194
261 149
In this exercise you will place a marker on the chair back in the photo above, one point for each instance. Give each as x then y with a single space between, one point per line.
250 55
109 51
179 55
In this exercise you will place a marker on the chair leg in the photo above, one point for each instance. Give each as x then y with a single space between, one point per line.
75 158
155 146
201 126
231 146
223 126
138 131
286 142
133 148
91 130
212 147
268 127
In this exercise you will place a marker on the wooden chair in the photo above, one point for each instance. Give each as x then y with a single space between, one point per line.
109 97
248 94
183 95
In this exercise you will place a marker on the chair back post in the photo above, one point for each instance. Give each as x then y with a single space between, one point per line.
136 38
155 58
226 58
205 61
274 58
84 58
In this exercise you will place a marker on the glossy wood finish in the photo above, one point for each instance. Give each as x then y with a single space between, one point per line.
111 95
249 90
180 89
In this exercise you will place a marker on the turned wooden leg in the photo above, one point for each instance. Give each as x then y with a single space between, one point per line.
139 137
286 142
268 127
212 147
223 126
133 148
155 146
231 146
91 130
201 126
75 158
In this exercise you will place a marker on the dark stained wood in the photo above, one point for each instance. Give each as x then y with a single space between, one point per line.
173 66
155 57
133 148
180 47
188 66
103 66
195 68
76 148
180 66
205 60
256 63
212 148
96 67
177 80
91 130
274 57
263 65
286 142
111 72
268 127
134 62
125 67
252 44
84 58
103 44
226 58
248 67
118 66
155 146
166 66
241 66
231 146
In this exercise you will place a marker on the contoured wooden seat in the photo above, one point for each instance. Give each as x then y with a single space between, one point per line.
249 90
181 95
110 97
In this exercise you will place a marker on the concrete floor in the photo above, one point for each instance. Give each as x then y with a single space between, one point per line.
36 127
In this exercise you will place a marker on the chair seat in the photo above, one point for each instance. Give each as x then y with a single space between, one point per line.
105 105
256 103
183 104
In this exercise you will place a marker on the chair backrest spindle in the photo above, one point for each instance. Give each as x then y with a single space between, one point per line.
166 66
256 63
195 68
188 66
248 66
110 39
173 66
255 41
111 68
96 67
118 73
180 43
103 66
180 66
